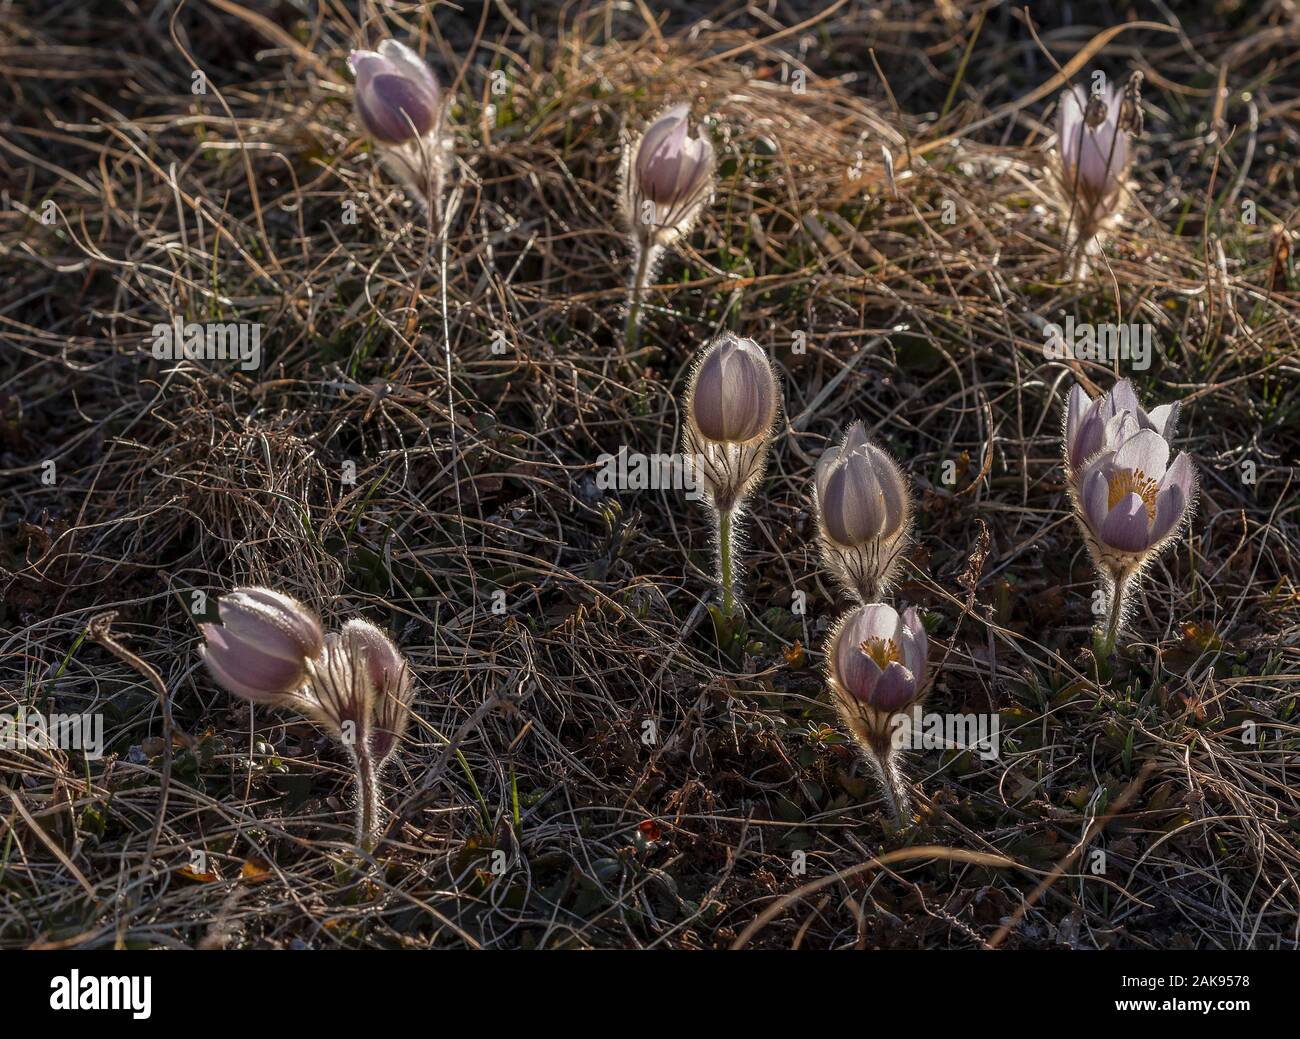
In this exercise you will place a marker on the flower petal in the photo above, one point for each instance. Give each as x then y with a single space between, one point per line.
1174 495
1094 492
1126 527
1145 450
1164 419
1123 398
895 689
853 509
915 644
414 68
893 490
246 672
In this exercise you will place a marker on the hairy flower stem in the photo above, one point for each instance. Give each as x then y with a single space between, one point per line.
892 785
726 573
368 802
1118 596
644 260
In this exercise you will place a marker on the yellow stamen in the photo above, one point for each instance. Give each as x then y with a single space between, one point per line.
1132 481
882 651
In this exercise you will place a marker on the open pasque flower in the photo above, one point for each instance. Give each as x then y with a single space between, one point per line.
354 683
877 669
864 514
1130 500
400 105
731 405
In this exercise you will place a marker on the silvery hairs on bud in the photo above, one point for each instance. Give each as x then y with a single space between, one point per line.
401 106
864 515
361 691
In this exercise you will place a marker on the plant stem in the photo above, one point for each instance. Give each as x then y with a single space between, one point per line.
368 804
893 787
1119 587
632 333
726 575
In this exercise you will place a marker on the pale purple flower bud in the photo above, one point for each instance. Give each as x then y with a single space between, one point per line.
263 646
668 176
1094 152
864 515
861 495
878 659
733 395
397 96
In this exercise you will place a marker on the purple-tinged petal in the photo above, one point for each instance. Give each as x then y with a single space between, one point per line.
393 109
853 508
915 644
892 489
246 672
1095 491
1127 528
825 466
856 671
1174 495
1123 398
412 67
895 689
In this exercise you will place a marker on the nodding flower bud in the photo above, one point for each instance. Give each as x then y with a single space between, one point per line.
667 178
361 690
354 683
397 96
263 646
401 106
731 406
877 668
864 514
